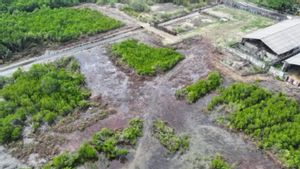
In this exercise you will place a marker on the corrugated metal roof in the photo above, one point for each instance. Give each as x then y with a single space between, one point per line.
295 60
281 37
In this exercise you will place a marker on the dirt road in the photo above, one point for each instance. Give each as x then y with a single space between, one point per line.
49 56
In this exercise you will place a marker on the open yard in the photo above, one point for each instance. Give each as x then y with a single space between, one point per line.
97 111
222 25
149 100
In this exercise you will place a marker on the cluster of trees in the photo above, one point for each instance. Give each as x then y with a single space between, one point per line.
41 95
144 59
105 141
200 88
168 138
31 5
282 5
272 118
23 30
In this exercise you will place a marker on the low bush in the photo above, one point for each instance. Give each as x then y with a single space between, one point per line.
105 141
46 25
31 5
133 131
87 152
144 59
40 95
168 138
282 5
219 163
271 118
195 91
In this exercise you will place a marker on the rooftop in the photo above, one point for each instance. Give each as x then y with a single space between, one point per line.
281 37
295 60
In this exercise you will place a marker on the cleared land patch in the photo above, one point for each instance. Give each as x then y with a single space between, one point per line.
41 95
27 30
144 59
228 27
271 118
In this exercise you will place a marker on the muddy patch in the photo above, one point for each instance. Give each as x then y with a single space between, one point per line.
156 99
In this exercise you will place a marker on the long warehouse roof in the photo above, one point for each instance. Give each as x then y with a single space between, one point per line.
295 60
281 37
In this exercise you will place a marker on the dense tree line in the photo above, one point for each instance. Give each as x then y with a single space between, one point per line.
41 95
283 5
22 30
272 118
30 5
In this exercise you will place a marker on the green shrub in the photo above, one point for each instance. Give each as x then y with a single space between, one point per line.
107 141
195 91
139 6
133 131
283 5
168 138
51 25
219 163
271 118
41 94
31 5
62 161
87 152
145 60
5 53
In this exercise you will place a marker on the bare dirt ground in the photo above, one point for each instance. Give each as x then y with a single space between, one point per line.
155 99
122 97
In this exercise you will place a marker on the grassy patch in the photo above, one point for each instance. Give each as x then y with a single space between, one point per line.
41 95
219 163
168 138
105 141
25 30
255 24
271 118
144 59
195 91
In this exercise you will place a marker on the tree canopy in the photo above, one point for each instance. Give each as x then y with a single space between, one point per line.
23 30
41 95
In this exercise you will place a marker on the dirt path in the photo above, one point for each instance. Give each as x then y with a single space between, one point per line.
115 13
49 56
